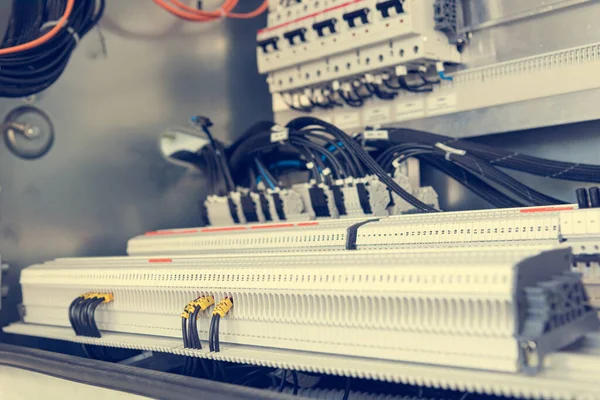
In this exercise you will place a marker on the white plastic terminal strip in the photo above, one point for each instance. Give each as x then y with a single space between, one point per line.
452 307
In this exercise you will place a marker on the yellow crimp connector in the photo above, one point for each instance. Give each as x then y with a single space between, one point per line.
205 302
185 315
223 307
108 297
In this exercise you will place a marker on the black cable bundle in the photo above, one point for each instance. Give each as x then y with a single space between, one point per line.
213 335
82 314
502 158
31 71
473 173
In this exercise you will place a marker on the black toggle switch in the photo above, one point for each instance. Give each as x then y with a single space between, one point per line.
582 198
292 35
594 196
270 42
327 24
351 17
385 7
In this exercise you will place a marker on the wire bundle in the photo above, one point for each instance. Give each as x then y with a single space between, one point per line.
504 159
40 40
220 311
323 147
260 159
469 170
188 13
82 313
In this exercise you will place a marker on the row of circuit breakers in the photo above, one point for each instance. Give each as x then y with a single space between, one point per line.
317 44
496 301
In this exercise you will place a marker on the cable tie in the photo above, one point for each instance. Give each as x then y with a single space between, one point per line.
222 12
279 134
450 150
72 32
376 134
572 167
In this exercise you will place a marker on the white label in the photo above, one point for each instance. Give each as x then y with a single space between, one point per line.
410 110
347 120
280 136
380 134
378 115
442 104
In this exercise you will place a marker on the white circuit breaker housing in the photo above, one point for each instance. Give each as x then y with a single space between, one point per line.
312 44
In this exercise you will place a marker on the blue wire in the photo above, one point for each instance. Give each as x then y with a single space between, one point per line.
264 175
286 163
445 77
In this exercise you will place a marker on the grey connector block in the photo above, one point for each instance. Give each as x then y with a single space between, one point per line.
303 189
553 313
446 14
379 196
218 211
291 205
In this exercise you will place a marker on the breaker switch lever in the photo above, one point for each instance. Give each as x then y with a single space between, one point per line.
351 17
385 7
320 27
292 35
270 42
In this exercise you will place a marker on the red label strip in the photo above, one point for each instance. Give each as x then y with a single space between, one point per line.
225 229
314 223
546 209
160 260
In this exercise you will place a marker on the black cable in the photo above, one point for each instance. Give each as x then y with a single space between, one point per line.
81 317
195 329
350 163
211 337
295 378
282 384
347 389
95 332
184 332
216 333
31 71
72 316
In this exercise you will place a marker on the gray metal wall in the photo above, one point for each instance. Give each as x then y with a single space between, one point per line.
105 181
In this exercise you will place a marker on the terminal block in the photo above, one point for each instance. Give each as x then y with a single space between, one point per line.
221 210
482 308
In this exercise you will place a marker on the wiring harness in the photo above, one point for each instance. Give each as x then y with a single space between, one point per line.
40 40
82 313
252 179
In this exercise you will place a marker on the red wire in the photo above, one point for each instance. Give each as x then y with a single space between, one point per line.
184 11
45 38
